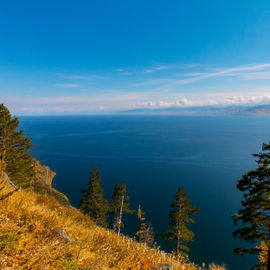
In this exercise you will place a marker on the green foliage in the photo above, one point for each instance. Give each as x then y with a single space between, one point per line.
7 239
93 202
119 194
254 216
180 216
15 158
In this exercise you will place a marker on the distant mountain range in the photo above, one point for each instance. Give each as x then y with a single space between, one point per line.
206 110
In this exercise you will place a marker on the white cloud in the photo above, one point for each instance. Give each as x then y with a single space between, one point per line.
67 85
125 72
263 75
124 101
119 70
244 72
113 101
82 77
228 72
156 68
224 100
159 91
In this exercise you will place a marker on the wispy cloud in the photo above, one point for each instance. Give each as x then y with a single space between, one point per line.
153 69
156 68
124 71
259 75
244 72
163 86
82 77
236 71
113 101
67 85
120 70
117 101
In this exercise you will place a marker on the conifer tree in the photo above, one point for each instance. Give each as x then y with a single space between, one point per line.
15 159
142 224
145 231
119 205
263 256
254 216
180 216
93 202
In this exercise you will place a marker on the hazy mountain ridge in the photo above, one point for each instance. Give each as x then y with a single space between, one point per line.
207 110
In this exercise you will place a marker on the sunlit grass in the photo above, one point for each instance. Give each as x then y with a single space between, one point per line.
30 239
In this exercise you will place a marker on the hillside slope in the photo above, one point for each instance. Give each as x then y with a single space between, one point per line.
43 183
38 232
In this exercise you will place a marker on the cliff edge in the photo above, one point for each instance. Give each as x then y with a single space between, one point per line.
42 183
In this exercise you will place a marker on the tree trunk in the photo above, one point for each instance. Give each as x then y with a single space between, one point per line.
268 259
268 251
120 215
115 220
3 156
178 239
178 231
177 246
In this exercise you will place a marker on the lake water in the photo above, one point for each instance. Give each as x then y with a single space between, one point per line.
155 155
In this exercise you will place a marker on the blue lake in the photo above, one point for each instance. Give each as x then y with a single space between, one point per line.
155 155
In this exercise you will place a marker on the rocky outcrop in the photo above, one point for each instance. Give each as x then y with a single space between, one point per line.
7 188
43 173
43 183
63 236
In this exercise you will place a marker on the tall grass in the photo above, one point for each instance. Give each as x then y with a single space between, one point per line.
29 239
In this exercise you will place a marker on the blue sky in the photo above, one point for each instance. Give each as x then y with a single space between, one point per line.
74 57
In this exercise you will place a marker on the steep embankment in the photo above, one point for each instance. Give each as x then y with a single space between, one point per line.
38 232
43 183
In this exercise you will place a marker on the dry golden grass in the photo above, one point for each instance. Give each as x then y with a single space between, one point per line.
213 266
29 239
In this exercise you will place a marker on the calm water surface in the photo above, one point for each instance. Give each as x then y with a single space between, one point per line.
155 155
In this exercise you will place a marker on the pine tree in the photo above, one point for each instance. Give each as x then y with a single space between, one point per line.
145 233
142 224
93 202
180 216
15 159
263 256
254 216
119 205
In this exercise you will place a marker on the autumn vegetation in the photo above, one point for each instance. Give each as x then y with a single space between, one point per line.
38 232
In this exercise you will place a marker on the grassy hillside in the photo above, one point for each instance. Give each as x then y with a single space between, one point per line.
38 232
